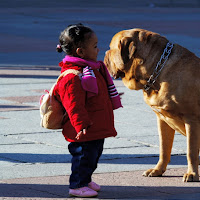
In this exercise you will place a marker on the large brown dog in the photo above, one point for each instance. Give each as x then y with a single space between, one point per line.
169 76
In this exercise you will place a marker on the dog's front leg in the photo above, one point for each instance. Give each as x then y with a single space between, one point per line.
166 137
193 144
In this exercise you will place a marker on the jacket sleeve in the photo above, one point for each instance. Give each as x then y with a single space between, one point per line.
73 98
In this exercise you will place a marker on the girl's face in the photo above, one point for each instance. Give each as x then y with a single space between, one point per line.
90 50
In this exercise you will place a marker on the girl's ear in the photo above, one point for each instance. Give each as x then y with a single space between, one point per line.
79 52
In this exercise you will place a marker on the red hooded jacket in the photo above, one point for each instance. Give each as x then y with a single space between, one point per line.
94 113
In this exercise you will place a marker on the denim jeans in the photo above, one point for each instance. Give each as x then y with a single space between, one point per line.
85 157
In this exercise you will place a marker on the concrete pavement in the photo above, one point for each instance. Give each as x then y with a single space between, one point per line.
35 162
119 185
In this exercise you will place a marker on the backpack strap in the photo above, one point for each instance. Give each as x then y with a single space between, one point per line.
68 71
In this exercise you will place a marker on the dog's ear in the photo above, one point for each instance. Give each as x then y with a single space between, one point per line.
148 36
144 36
127 48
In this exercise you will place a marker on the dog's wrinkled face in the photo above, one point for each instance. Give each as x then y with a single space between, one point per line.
128 51
114 63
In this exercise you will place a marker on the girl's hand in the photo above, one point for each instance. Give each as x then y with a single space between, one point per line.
120 94
83 132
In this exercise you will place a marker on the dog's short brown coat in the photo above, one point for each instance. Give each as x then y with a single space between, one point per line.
175 96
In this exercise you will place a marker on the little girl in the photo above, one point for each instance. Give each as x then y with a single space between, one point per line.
89 99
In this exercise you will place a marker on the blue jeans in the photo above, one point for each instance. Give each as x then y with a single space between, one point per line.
85 157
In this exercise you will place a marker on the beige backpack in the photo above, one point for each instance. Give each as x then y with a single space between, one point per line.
52 112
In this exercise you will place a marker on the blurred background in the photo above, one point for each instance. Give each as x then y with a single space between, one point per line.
29 29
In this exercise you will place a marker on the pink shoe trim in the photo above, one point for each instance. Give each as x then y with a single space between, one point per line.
92 185
83 192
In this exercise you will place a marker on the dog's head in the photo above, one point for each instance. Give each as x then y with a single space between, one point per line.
130 55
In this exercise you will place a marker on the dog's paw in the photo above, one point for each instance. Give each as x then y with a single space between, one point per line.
153 172
191 177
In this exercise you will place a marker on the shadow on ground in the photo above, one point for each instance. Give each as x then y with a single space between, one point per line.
106 158
107 192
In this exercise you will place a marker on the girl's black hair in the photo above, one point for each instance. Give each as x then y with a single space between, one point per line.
73 37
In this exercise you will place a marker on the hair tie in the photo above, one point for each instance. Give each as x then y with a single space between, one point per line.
58 46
